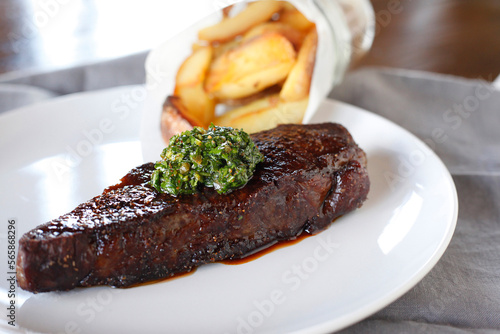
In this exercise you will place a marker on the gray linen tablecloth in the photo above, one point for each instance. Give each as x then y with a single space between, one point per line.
458 118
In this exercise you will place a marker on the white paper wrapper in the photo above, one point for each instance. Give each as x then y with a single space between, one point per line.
333 55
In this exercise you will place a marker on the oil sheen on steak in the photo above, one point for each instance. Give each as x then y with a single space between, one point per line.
130 233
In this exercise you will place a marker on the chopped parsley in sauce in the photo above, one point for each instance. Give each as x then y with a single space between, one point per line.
220 157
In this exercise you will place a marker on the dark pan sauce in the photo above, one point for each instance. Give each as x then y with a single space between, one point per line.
251 257
164 279
268 249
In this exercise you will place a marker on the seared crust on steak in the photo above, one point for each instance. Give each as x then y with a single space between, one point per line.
131 233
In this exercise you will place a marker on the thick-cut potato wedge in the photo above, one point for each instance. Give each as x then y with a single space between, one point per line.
175 118
189 85
194 68
296 19
298 82
198 103
293 35
264 114
251 67
230 27
197 45
251 98
256 64
253 107
221 48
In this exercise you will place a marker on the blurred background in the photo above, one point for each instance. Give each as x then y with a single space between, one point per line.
458 37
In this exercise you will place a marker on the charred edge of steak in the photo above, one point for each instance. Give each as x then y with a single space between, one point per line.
130 233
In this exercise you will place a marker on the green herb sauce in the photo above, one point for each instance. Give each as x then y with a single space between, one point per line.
220 157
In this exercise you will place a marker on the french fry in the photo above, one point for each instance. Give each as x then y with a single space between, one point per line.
251 98
264 114
298 82
255 65
221 48
295 36
251 67
189 85
254 107
175 118
194 68
230 27
288 6
296 19
198 45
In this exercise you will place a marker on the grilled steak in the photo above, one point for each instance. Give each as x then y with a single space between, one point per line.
131 233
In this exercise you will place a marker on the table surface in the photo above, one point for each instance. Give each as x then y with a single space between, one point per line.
443 36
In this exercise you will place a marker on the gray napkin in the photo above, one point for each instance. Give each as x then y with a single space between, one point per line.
123 71
22 88
460 120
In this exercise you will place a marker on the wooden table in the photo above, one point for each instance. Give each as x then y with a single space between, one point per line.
445 36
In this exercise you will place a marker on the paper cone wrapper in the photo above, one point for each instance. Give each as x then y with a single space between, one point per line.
333 55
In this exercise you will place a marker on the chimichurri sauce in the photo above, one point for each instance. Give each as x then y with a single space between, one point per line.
220 157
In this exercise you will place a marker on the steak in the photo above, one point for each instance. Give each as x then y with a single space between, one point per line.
131 233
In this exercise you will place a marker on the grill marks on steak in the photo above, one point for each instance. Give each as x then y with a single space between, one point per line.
131 233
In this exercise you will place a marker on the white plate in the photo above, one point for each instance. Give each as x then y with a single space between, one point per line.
363 262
